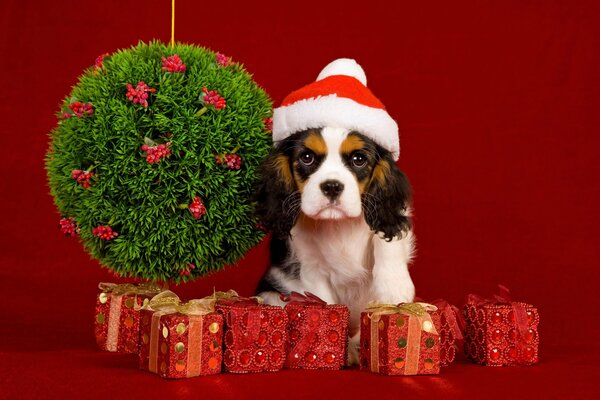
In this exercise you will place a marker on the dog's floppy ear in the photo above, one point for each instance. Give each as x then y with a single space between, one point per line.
277 200
387 198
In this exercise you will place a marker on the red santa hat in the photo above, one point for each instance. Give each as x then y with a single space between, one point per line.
338 98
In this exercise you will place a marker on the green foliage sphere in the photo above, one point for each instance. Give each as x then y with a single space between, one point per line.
103 131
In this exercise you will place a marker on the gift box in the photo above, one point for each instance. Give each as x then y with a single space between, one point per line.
317 332
450 329
400 339
118 315
255 334
501 332
180 340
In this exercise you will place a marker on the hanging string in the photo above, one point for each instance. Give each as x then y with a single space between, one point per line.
172 23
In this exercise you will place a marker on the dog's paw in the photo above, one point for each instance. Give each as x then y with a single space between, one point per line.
403 293
353 350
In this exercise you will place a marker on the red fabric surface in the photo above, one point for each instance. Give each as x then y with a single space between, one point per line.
497 104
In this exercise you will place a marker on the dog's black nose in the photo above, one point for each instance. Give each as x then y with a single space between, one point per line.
332 188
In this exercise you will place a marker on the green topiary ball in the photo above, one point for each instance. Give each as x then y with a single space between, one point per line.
154 160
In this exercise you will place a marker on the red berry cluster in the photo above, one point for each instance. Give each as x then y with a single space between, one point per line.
223 60
213 98
155 153
268 124
104 232
197 208
232 161
173 64
68 226
84 178
139 94
99 62
81 109
187 270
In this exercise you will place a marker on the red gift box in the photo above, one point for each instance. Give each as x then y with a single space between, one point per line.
118 316
255 334
450 329
180 340
400 339
317 332
501 332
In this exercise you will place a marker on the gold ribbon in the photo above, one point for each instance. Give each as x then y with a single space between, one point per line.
166 303
232 295
419 320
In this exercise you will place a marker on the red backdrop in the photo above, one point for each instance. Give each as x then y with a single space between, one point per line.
497 104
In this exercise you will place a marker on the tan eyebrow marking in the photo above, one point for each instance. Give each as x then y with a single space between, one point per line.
314 141
351 143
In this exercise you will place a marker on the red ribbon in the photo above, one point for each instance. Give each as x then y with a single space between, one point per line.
504 298
302 299
453 316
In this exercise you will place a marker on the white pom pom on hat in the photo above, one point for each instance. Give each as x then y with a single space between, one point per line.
338 98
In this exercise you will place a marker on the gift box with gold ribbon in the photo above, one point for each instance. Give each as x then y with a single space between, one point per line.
118 315
400 339
255 333
501 332
180 340
317 332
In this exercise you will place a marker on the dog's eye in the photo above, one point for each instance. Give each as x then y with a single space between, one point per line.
359 159
307 158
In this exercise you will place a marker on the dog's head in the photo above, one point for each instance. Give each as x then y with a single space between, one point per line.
329 174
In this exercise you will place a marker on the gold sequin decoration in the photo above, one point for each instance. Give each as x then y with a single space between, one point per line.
145 338
427 326
179 347
213 328
381 325
103 298
163 367
163 348
180 365
165 332
129 302
400 322
100 318
180 328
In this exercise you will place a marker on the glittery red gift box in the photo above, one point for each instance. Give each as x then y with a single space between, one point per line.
177 345
118 316
398 351
255 336
317 336
495 337
451 331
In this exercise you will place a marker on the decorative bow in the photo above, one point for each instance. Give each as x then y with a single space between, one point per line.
302 299
168 302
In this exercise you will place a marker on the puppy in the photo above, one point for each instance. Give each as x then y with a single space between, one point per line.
339 209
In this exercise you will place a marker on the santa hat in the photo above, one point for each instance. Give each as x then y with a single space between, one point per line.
338 98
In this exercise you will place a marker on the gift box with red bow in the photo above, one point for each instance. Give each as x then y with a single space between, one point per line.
450 329
255 334
118 316
317 332
501 331
400 339
180 340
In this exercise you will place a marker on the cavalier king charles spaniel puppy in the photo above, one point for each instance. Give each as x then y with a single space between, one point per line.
338 207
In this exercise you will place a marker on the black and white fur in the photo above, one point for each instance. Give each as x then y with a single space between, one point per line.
341 225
